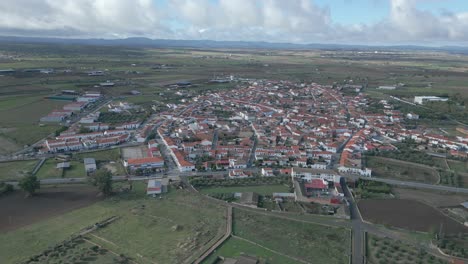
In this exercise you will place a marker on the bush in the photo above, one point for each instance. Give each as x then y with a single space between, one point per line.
5 188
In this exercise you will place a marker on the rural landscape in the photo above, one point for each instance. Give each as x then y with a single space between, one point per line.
139 150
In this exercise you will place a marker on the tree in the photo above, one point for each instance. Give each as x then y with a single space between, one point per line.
30 184
102 178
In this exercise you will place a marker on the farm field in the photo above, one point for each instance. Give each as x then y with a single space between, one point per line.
235 247
262 190
13 170
177 224
400 170
433 198
408 214
18 211
388 251
303 240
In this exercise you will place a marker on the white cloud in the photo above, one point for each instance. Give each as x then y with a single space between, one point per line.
300 21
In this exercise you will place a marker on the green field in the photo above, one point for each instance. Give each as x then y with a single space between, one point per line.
76 170
101 155
398 170
169 230
262 190
14 170
458 166
49 170
234 247
305 241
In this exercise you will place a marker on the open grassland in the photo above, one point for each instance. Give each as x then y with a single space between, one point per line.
301 240
235 247
169 230
388 251
14 170
399 170
262 190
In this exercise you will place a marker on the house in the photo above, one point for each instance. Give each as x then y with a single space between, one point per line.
156 187
316 185
90 165
144 163
63 165
237 174
267 172
424 99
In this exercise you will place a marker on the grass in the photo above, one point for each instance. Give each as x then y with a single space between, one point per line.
394 169
458 166
262 190
144 229
302 240
76 170
14 170
235 247
49 170
99 156
388 251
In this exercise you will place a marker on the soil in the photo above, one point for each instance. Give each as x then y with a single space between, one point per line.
408 214
18 211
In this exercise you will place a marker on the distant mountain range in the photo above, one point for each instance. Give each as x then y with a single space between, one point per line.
146 42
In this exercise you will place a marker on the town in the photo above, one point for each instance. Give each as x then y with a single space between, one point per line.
145 152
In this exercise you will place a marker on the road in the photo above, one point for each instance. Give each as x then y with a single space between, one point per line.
417 185
358 247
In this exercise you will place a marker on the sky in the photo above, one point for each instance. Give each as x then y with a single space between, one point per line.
372 22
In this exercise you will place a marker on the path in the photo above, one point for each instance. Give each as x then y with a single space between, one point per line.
221 241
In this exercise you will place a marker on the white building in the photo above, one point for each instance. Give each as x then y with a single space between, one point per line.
423 99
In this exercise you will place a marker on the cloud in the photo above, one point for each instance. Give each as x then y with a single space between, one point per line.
299 21
80 18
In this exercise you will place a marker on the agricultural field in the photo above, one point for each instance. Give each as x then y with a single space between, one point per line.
433 198
388 251
262 190
400 170
18 211
13 170
177 223
301 240
408 214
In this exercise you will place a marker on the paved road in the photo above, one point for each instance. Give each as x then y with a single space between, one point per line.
411 184
358 247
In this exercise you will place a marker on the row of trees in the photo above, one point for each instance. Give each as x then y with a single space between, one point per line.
102 179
